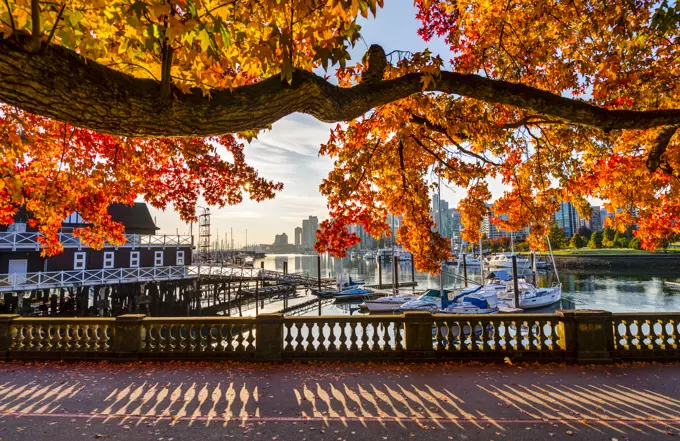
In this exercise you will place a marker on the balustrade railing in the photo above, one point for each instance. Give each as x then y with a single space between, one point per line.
571 336
314 336
497 333
197 337
29 240
43 337
645 335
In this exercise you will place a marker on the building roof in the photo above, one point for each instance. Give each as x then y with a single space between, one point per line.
135 216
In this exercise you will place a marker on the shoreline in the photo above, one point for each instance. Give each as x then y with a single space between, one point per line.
608 261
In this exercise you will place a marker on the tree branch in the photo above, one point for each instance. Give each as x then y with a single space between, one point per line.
11 20
441 129
54 27
34 41
61 84
659 148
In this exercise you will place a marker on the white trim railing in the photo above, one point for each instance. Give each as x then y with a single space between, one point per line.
92 277
57 279
16 240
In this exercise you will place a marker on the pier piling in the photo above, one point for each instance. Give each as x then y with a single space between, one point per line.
465 278
515 285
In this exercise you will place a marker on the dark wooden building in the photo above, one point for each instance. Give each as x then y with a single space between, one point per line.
20 249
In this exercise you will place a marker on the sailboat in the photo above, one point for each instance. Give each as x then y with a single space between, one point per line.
480 301
530 296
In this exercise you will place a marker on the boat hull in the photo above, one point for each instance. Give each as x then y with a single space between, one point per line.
393 305
548 297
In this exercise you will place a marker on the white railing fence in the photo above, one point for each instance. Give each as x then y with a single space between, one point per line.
16 240
56 279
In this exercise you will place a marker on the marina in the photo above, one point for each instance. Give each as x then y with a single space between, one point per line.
647 290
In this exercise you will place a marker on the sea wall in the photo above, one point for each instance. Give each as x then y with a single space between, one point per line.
612 261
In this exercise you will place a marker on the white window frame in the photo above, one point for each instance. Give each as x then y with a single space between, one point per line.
180 258
79 260
108 259
158 258
134 259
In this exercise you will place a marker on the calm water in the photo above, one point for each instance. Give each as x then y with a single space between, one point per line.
616 291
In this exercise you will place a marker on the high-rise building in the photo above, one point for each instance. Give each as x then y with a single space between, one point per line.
281 239
305 233
298 236
450 218
491 231
595 223
567 218
309 228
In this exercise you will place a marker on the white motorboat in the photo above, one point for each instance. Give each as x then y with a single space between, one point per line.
505 261
531 296
469 260
390 303
427 301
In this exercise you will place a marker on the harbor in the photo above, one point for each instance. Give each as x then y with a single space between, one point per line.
614 290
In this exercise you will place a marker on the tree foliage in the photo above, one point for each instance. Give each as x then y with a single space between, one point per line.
608 236
560 100
595 241
577 241
55 169
557 238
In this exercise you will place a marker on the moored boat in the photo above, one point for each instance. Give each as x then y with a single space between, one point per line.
389 303
479 302
505 261
345 294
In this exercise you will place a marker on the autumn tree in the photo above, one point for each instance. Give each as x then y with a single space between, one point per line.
560 100
557 238
608 237
577 241
595 241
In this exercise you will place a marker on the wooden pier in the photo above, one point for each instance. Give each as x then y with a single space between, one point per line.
202 290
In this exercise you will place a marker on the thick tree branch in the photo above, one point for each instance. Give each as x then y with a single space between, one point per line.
659 147
60 84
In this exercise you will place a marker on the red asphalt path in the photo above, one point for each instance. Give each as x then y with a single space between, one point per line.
337 401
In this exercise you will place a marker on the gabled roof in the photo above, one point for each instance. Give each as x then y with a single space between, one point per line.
135 216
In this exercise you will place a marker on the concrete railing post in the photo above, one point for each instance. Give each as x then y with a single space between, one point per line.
128 336
587 336
6 334
418 336
269 337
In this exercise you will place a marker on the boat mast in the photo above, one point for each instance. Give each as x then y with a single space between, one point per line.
481 260
394 263
444 302
552 257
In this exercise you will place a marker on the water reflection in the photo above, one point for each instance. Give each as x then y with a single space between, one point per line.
617 290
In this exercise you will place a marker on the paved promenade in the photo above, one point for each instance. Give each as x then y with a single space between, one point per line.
336 402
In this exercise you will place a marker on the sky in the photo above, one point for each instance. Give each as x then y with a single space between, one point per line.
289 152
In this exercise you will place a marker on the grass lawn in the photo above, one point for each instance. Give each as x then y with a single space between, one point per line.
605 251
